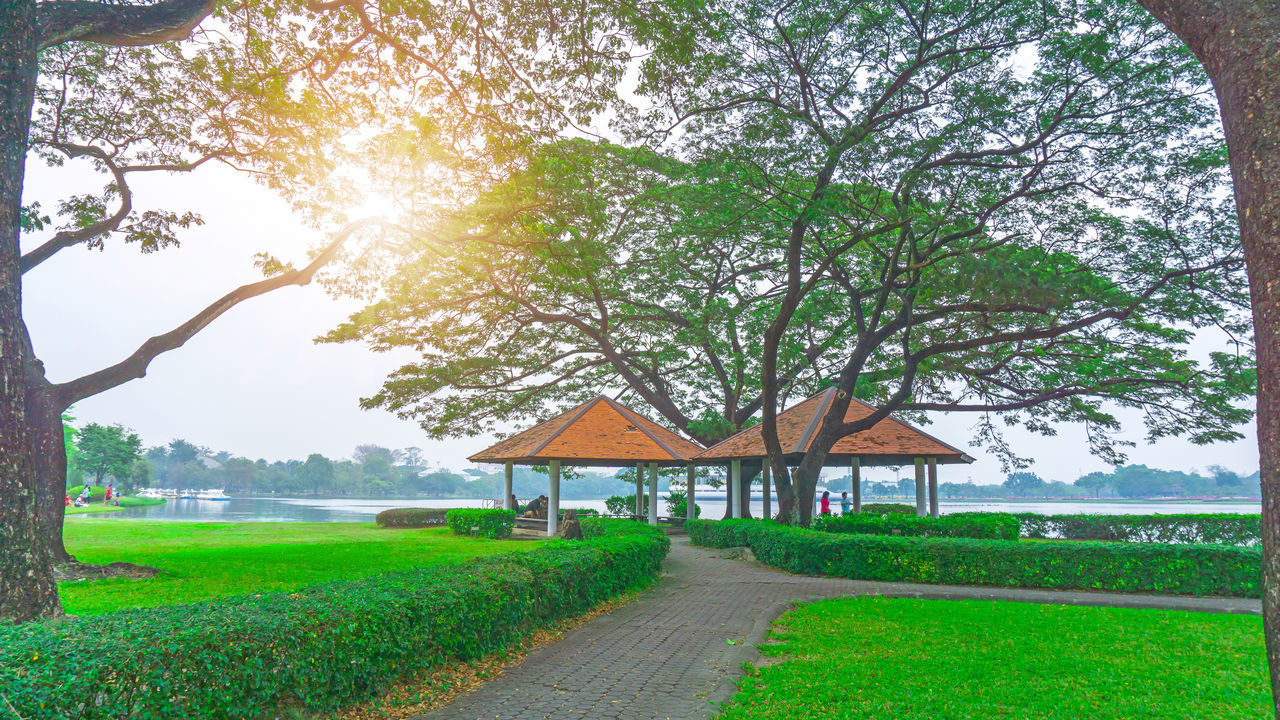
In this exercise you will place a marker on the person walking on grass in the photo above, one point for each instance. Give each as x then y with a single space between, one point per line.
107 499
846 506
825 507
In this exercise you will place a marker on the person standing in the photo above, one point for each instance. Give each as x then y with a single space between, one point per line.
846 506
825 507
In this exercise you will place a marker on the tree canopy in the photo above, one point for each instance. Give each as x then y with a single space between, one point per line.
1015 209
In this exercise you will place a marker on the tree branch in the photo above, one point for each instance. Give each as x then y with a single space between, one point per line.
69 238
72 20
135 366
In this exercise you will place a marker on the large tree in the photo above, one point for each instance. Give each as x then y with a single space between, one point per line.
276 90
1238 42
1013 202
108 450
1013 206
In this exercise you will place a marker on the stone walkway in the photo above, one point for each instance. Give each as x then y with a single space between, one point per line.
669 655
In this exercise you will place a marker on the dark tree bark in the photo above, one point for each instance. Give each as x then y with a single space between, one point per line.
27 588
1238 42
49 458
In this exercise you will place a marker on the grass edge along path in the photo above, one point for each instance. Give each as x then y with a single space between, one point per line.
317 649
912 659
418 695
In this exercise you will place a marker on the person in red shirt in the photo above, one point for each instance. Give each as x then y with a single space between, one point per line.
825 507
68 501
107 499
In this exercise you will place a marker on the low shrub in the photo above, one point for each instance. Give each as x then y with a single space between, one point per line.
96 493
1240 529
1204 570
495 524
411 517
678 505
625 505
315 649
992 526
889 509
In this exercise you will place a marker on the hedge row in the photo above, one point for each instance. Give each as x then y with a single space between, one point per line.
411 517
1220 528
889 508
488 523
1205 570
993 526
315 649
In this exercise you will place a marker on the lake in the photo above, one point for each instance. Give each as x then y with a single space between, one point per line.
303 509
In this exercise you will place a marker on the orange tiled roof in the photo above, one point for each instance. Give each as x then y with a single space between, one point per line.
597 432
890 439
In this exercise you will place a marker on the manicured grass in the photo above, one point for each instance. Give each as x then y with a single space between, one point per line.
927 659
207 560
98 506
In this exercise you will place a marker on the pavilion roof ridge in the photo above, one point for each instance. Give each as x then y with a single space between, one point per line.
599 431
913 428
633 416
580 411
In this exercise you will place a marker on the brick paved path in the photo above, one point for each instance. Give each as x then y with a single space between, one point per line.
666 655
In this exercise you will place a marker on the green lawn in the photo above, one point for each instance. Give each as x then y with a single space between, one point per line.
97 506
935 659
207 560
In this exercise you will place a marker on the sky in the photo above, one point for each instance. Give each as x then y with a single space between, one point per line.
255 384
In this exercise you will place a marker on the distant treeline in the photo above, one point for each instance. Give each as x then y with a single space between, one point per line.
111 453
1124 482
100 454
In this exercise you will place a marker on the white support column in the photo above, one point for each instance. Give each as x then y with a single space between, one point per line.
506 485
735 484
639 489
690 506
933 487
855 468
653 494
553 500
920 509
764 481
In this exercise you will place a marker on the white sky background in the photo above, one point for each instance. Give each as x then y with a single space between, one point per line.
254 383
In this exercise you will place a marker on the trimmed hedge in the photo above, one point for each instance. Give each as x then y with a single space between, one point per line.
495 524
315 649
992 526
411 517
1220 528
1203 570
889 508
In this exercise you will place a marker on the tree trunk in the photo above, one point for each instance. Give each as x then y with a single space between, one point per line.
49 457
27 589
1250 102
1238 41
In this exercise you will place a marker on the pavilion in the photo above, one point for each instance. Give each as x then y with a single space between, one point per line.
888 442
602 433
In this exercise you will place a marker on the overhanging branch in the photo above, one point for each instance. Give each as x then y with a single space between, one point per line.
135 366
72 20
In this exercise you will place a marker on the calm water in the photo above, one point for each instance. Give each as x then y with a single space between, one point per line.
280 509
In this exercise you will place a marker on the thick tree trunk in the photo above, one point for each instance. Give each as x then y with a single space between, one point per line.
1238 41
49 457
1249 95
27 589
